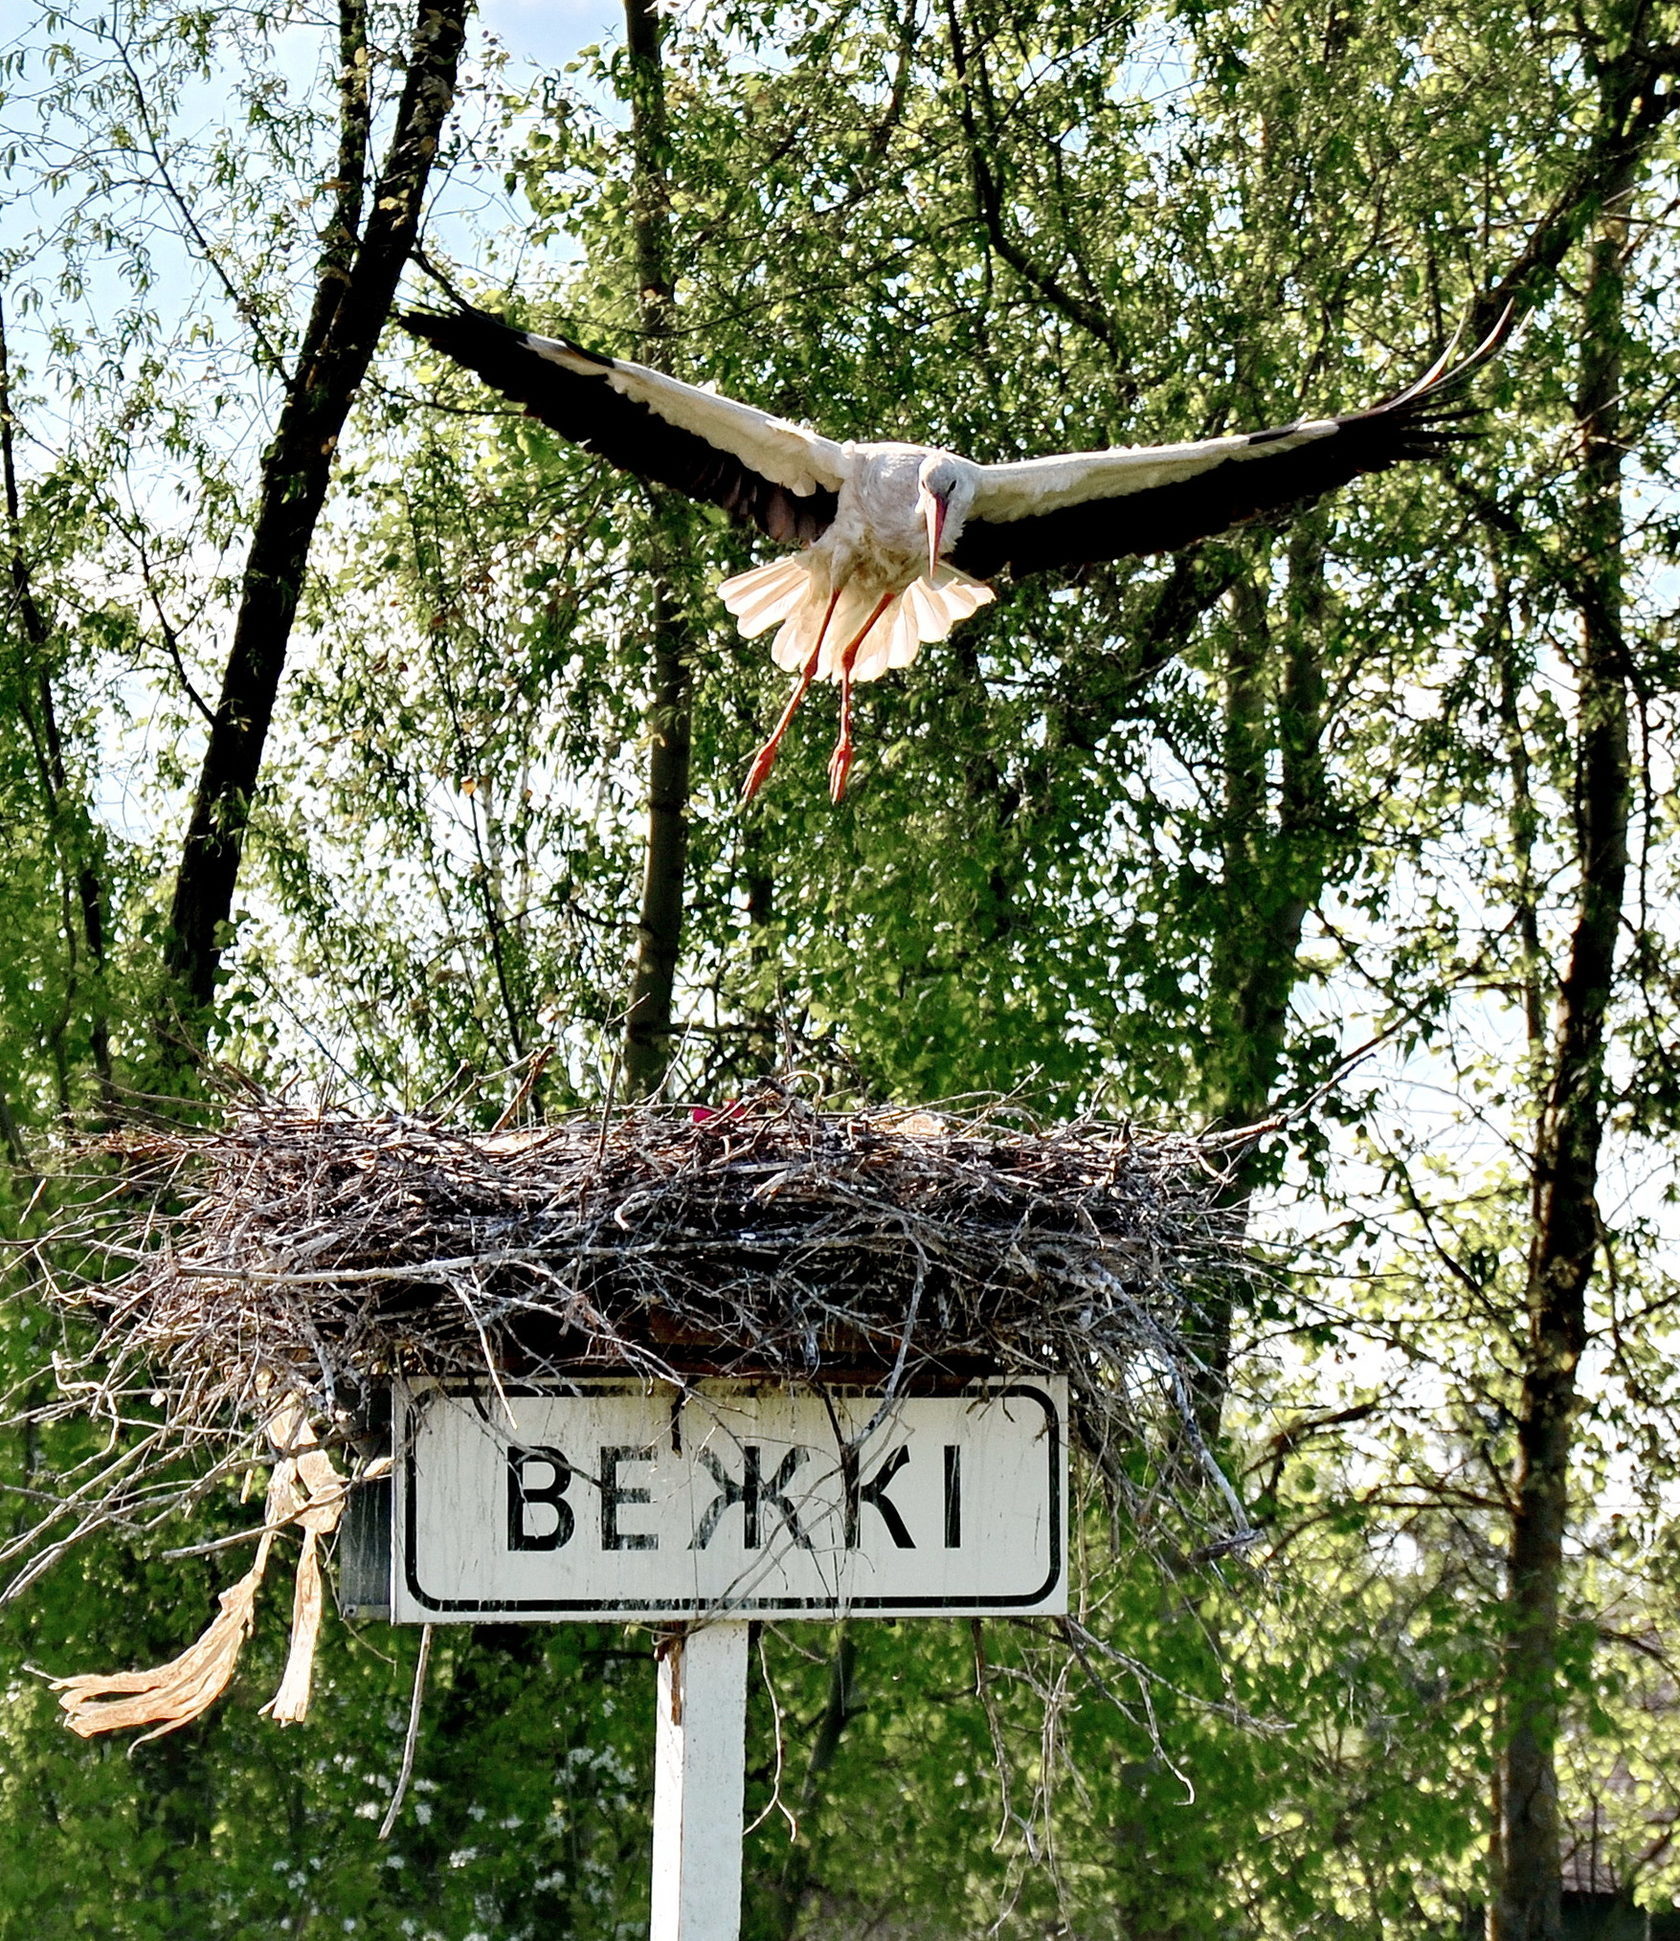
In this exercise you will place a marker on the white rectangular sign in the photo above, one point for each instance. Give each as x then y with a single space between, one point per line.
624 1500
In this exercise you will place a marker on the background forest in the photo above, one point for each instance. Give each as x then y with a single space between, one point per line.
334 698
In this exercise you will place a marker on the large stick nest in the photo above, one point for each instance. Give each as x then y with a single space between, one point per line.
319 1255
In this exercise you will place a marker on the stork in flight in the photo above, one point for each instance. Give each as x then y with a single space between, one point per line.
898 540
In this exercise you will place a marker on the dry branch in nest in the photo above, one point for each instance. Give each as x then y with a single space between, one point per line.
308 1259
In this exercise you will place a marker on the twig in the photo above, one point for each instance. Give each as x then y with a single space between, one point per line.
406 1769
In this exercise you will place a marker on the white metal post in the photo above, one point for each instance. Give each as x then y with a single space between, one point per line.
699 1765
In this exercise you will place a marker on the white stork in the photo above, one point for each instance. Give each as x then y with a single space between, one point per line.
899 539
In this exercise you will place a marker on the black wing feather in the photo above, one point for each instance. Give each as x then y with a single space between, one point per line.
589 412
1415 424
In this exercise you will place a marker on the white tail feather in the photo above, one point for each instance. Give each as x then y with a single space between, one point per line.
873 657
789 592
797 640
769 593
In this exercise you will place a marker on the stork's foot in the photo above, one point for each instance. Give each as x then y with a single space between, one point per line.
839 767
759 773
765 759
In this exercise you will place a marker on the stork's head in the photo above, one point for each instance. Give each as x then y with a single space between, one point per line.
944 493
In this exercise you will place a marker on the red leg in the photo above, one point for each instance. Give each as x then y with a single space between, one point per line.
765 759
840 762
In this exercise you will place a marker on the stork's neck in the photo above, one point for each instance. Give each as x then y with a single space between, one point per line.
878 532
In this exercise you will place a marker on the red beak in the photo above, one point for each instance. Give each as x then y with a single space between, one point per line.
935 514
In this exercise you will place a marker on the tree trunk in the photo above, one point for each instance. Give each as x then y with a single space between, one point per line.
75 839
1528 1902
1272 871
648 1041
367 245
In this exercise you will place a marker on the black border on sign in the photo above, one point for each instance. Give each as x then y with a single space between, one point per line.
784 1606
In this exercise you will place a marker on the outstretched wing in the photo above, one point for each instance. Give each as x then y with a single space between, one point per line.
763 471
1084 507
